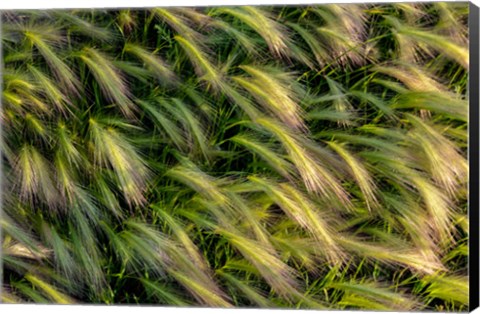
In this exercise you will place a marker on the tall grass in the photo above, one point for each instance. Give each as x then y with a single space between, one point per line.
293 157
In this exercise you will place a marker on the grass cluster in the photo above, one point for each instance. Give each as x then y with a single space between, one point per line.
295 157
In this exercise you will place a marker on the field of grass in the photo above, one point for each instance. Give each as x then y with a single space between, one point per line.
278 157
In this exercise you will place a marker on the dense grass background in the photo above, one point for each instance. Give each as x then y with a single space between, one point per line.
300 157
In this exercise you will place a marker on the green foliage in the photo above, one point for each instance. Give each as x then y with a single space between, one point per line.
294 157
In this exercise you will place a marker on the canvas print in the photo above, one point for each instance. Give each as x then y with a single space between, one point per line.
301 157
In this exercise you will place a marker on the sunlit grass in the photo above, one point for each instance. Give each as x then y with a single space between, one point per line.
291 157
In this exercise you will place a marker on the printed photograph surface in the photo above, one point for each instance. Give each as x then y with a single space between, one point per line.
298 157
